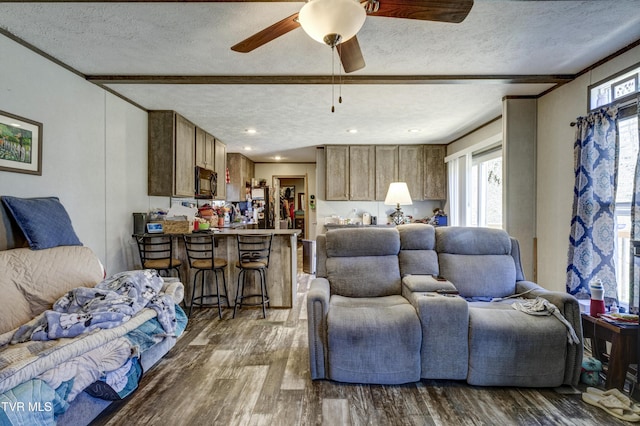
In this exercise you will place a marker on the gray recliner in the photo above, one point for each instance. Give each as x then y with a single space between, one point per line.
507 347
361 329
375 315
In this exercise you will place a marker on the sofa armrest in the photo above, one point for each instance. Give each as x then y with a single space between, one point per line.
570 309
317 307
445 334
424 283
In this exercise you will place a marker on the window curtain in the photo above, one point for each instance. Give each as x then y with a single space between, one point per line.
593 238
634 264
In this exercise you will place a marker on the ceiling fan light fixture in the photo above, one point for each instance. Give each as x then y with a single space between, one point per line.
332 21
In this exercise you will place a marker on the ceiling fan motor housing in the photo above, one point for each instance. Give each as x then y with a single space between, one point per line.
329 20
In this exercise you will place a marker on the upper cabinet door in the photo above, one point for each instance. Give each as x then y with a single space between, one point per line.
386 169
435 172
337 172
362 160
184 157
410 169
220 167
209 151
200 148
204 149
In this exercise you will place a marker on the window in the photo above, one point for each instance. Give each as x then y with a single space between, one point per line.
622 89
486 188
475 185
628 134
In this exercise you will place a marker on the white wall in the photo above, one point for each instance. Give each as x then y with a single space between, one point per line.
555 179
94 150
486 135
519 177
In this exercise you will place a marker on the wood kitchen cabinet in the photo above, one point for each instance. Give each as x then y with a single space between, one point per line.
435 172
362 159
205 147
337 172
411 169
364 172
386 169
220 167
241 171
171 148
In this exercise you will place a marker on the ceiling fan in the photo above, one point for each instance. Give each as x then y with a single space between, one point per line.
336 22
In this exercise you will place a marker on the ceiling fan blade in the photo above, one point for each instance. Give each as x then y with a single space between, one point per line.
351 55
426 10
265 36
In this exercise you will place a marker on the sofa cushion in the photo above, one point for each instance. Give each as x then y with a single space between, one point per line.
418 262
44 221
485 276
366 276
15 309
472 240
44 276
373 340
354 242
477 261
417 236
512 348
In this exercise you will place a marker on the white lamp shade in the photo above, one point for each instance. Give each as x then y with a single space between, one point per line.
319 18
398 193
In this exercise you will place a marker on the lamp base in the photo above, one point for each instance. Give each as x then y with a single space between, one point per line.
397 217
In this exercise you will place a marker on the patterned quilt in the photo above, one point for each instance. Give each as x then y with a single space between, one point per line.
24 361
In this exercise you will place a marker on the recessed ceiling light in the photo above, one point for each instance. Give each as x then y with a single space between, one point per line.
247 148
414 130
277 158
251 131
352 131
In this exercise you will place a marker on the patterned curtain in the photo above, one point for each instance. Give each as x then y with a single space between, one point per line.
593 237
634 264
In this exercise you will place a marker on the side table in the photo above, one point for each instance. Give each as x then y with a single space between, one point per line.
624 346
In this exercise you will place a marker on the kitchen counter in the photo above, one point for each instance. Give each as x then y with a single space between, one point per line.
281 275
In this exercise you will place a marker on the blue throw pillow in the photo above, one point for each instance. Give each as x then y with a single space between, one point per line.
44 221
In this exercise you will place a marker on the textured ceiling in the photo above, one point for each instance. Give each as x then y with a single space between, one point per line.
178 39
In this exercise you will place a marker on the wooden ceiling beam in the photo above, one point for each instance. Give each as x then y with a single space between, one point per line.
153 1
327 79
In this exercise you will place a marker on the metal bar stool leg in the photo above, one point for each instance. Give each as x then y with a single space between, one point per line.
239 291
224 285
193 291
215 272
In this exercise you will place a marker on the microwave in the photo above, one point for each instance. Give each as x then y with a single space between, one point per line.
206 185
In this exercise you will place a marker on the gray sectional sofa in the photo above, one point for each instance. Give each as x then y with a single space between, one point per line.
375 316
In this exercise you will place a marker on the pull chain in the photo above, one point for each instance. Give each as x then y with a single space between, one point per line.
340 83
333 72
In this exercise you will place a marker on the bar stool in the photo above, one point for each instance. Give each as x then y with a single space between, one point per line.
254 251
201 255
156 252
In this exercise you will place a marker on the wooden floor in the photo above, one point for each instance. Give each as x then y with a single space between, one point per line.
252 371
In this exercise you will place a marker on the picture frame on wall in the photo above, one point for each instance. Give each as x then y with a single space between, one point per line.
20 144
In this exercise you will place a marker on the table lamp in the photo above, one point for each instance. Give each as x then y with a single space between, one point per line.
398 195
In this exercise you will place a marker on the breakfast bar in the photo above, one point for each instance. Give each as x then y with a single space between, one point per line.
281 275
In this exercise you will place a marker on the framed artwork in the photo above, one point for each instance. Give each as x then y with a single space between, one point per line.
288 192
20 144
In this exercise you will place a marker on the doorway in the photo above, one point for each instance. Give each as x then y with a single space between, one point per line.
291 203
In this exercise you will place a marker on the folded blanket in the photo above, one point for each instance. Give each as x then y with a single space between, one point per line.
109 304
541 306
